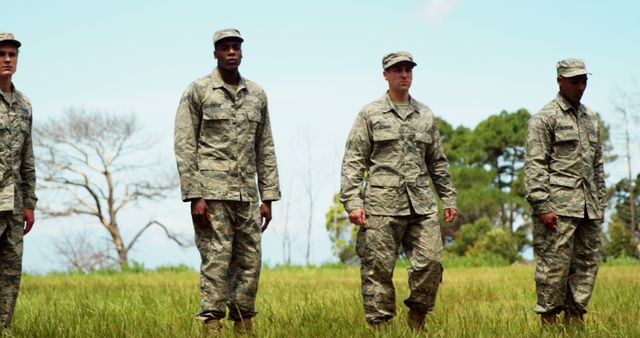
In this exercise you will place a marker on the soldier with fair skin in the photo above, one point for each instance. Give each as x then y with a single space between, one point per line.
564 180
222 142
395 143
17 188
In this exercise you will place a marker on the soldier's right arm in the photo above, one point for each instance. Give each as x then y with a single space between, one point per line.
536 166
354 164
186 134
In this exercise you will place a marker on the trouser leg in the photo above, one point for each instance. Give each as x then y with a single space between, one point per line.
377 245
246 261
214 243
11 232
554 253
584 266
422 244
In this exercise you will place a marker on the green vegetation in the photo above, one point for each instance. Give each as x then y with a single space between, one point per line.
314 302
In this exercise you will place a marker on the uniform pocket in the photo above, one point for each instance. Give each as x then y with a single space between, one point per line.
565 143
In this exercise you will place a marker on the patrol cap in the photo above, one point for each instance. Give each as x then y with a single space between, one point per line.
571 68
8 37
396 57
226 33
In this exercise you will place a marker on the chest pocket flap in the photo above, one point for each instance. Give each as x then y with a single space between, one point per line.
216 113
423 137
254 116
385 135
566 136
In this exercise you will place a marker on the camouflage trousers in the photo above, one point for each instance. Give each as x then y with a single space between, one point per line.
10 264
566 264
231 260
377 245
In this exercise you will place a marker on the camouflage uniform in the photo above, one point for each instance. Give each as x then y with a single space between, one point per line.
400 153
17 191
222 140
564 174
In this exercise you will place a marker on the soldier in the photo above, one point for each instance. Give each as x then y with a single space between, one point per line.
564 179
395 144
18 185
222 140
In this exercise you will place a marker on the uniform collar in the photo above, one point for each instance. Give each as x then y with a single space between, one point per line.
389 106
12 95
218 82
567 106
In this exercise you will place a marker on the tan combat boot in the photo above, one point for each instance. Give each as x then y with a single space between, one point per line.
242 327
212 327
548 319
572 318
416 320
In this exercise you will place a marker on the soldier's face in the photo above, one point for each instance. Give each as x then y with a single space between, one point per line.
228 53
8 59
572 88
399 76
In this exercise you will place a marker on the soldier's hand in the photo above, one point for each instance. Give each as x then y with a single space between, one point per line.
357 217
265 213
29 219
549 219
200 212
450 214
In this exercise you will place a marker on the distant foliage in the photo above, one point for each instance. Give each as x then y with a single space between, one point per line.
619 242
341 232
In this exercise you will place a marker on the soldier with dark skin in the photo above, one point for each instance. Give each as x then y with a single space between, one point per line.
223 142
17 188
564 181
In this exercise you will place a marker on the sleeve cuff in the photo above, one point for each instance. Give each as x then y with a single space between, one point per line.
542 208
270 195
449 205
29 203
349 206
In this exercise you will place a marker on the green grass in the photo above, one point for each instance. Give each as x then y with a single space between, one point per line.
309 302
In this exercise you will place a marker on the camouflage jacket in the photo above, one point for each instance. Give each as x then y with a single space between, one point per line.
400 155
223 139
563 168
18 185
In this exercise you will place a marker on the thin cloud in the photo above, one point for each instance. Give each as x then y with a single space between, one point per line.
434 10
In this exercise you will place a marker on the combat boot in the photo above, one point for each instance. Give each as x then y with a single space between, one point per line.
243 326
548 319
379 325
416 320
212 327
573 318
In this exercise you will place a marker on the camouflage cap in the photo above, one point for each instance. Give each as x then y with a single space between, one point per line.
571 68
8 37
226 33
393 58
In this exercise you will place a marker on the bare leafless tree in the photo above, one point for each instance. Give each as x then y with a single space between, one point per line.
311 189
627 105
93 162
80 253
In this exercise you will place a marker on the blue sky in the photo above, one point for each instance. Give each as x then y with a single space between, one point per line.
319 63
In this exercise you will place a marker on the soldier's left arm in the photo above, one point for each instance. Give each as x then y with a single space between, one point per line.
438 167
266 164
598 169
28 173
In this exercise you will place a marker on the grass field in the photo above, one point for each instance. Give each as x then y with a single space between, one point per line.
313 302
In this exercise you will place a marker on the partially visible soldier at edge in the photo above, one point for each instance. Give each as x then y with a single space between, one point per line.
222 140
564 180
18 185
396 141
